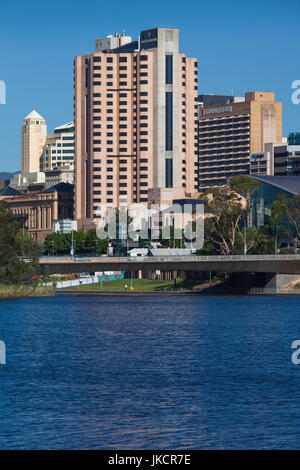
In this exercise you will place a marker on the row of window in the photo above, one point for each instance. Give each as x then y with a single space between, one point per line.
63 151
220 158
224 120
122 75
121 58
121 95
208 174
120 103
121 149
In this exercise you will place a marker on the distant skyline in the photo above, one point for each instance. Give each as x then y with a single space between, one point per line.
240 47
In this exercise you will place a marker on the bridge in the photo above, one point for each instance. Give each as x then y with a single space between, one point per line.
267 272
283 264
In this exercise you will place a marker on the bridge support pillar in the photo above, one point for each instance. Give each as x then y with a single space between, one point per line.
279 281
261 282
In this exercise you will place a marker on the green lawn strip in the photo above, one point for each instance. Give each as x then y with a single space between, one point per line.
138 285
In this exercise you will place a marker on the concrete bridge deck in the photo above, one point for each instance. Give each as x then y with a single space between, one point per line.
283 264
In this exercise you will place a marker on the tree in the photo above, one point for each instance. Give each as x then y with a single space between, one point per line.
245 186
292 212
263 240
176 239
18 252
60 243
95 244
225 211
278 210
55 243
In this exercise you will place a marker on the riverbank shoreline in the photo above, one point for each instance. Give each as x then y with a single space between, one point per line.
22 291
81 293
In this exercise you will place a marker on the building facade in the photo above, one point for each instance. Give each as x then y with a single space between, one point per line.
270 189
64 174
233 134
285 156
23 180
135 121
59 148
64 225
34 132
38 209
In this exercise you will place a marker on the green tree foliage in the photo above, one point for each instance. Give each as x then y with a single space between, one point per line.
244 185
85 243
292 212
225 229
278 210
18 252
224 214
175 237
94 244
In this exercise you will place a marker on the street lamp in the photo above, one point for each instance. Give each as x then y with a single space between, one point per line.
245 236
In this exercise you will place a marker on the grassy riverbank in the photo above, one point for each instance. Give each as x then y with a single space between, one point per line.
15 291
139 285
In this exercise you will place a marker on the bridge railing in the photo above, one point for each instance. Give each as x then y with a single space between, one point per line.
138 259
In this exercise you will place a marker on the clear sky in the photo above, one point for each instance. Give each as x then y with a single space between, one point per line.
241 46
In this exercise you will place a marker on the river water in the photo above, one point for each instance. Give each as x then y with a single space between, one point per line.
190 372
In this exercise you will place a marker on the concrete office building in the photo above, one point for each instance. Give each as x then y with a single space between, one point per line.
23 180
135 121
58 150
39 208
285 156
63 174
64 225
233 132
213 100
34 132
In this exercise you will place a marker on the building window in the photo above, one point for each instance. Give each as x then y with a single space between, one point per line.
169 69
169 173
169 121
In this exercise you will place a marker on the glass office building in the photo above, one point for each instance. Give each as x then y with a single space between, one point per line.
294 138
270 188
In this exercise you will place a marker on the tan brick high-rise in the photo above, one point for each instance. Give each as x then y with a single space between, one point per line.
34 132
232 135
135 113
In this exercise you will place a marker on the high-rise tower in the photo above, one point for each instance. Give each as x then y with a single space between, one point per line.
135 113
34 132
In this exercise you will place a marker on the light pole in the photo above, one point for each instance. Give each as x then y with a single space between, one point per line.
245 236
72 250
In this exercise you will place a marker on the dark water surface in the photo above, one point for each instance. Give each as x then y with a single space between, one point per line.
150 373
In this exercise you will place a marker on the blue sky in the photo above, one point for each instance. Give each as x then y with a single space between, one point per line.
241 46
